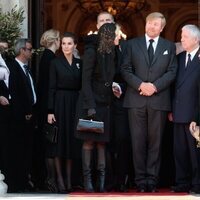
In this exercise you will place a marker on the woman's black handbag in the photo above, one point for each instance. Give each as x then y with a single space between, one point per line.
51 132
85 125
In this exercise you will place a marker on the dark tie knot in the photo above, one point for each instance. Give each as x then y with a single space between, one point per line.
189 56
151 41
26 67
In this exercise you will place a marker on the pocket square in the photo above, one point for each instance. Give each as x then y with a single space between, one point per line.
165 52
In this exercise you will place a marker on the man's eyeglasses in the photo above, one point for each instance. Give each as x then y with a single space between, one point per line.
29 49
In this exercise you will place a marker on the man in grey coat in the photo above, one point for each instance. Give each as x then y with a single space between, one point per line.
149 68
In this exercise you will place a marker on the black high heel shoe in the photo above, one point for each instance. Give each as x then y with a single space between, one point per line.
51 185
63 191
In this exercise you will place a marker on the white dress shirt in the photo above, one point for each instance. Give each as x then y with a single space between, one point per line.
4 71
192 53
32 86
154 44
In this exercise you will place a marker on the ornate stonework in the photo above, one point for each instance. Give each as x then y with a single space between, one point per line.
68 15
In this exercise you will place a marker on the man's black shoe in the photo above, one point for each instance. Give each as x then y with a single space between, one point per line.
152 188
180 188
142 188
121 188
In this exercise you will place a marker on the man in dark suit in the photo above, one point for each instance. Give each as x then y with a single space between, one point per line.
21 97
149 68
185 109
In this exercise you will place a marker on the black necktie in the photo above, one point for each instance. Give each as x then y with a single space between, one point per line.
150 50
188 61
27 73
27 70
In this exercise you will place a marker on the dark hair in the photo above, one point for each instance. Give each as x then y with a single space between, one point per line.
106 36
71 35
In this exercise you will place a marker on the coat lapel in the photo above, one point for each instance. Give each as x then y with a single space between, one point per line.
159 49
67 66
143 46
184 73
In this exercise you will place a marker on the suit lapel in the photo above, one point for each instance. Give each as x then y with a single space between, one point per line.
184 73
181 71
159 49
143 46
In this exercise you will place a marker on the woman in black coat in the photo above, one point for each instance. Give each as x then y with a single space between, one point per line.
120 140
50 40
64 86
97 78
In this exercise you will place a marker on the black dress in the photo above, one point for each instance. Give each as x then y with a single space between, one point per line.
64 86
97 78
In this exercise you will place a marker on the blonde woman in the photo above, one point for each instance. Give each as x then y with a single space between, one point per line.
50 40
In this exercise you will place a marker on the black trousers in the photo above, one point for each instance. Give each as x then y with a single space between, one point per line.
186 155
147 127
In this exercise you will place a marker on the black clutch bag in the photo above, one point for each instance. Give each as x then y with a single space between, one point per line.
90 126
51 132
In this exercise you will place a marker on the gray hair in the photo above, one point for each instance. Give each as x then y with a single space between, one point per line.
194 30
20 44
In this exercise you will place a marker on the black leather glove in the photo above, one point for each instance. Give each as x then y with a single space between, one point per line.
91 113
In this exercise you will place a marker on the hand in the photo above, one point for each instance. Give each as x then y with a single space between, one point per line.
4 101
116 89
116 92
51 118
147 89
91 113
170 117
193 126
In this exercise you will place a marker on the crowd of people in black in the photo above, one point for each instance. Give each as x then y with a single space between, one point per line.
134 87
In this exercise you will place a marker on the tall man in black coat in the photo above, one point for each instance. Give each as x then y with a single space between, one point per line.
149 67
21 97
185 109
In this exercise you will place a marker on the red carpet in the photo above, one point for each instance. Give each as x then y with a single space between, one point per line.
162 192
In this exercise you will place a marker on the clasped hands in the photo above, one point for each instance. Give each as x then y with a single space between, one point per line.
4 101
147 89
